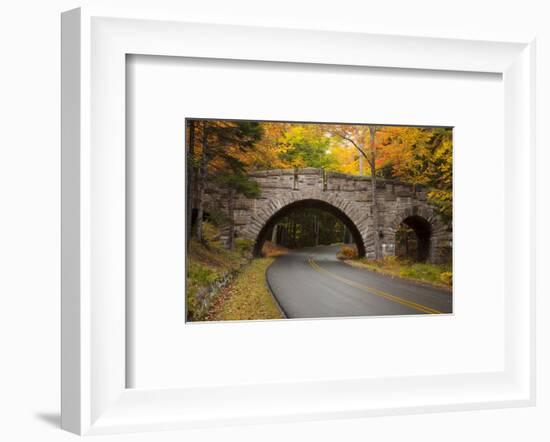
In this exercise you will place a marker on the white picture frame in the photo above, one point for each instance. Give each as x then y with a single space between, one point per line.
95 399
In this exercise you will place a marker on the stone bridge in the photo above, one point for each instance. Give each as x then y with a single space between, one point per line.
349 198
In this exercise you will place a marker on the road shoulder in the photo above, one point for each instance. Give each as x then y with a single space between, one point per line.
420 283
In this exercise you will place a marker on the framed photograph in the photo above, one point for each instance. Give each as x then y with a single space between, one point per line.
294 220
274 225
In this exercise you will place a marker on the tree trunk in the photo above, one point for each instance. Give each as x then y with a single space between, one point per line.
274 235
316 230
190 181
372 163
231 213
201 183
293 232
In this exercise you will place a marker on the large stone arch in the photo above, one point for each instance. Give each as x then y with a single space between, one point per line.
353 214
439 235
350 194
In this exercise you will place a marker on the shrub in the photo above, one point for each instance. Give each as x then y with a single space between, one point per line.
446 278
209 266
244 245
193 305
422 271
390 260
198 274
408 272
271 250
217 218
211 232
347 252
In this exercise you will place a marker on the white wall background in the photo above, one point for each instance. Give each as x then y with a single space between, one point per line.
29 206
164 90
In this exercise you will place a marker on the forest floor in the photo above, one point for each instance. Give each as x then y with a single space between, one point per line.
247 297
235 280
209 264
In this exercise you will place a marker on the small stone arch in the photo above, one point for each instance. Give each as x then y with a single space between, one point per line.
428 227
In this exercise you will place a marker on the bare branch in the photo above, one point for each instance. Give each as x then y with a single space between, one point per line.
345 137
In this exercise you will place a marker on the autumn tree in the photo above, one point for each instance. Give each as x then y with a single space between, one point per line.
235 182
190 183
364 139
217 145
407 153
307 145
347 159
440 172
269 149
423 156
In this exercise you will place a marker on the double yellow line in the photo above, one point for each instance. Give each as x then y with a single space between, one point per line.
414 305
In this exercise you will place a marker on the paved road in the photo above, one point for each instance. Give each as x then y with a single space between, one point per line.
313 283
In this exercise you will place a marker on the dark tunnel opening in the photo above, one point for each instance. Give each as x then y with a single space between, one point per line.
413 238
266 232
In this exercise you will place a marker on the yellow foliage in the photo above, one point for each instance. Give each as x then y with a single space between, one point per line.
446 278
347 252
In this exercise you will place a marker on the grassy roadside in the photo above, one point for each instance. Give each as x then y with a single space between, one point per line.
433 274
228 284
436 275
247 297
209 267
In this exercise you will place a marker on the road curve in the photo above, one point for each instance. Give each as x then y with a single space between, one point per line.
313 283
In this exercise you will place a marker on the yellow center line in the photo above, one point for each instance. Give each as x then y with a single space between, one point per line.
365 288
